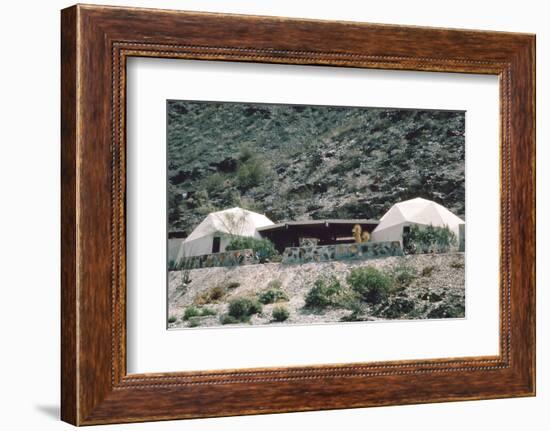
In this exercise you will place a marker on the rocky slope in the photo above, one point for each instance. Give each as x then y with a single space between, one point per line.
435 289
303 162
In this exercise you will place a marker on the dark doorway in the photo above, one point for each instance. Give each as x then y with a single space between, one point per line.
216 244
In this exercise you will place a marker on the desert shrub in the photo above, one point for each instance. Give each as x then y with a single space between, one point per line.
428 239
371 284
242 308
397 308
280 313
434 297
245 152
457 265
273 293
262 248
194 322
172 319
403 274
214 183
226 319
208 312
357 312
251 173
447 311
190 312
427 271
213 294
232 285
325 293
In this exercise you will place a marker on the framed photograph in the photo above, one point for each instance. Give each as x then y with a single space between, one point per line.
322 214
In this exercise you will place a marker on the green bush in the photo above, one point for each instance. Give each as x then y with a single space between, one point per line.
172 319
445 311
245 152
428 239
280 313
214 183
263 248
371 284
194 322
273 293
242 308
208 312
398 308
226 319
357 312
192 312
251 174
325 293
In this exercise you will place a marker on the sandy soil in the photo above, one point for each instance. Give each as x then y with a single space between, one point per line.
431 290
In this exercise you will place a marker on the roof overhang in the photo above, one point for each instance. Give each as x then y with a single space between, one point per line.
319 223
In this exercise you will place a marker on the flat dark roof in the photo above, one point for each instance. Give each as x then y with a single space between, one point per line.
177 234
318 222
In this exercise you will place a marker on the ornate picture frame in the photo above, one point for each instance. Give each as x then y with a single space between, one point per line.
96 42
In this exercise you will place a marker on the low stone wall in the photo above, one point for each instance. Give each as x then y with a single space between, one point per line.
226 258
327 253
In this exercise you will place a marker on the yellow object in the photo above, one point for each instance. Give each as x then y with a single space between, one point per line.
357 233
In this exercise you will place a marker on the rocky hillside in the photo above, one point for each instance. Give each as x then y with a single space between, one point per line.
309 162
428 286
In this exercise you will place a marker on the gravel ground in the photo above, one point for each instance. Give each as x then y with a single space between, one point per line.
437 290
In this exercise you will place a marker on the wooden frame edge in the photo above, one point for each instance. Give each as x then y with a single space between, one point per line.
88 395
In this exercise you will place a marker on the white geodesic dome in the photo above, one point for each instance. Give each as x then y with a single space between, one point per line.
222 224
418 211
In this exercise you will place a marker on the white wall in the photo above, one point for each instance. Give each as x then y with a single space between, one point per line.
29 174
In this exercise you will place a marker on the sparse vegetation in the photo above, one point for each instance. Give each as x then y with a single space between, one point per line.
172 319
325 293
457 264
357 314
226 319
251 174
192 311
370 283
211 295
273 293
208 312
447 311
403 274
249 152
214 183
280 313
372 290
194 322
243 308
428 239
397 308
